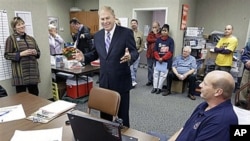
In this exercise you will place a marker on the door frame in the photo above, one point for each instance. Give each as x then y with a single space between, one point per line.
134 14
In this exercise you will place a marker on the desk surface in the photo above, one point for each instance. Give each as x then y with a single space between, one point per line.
31 104
83 70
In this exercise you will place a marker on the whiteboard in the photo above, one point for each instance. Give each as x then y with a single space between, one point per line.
5 65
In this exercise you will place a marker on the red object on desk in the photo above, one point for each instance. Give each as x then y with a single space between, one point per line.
83 88
95 63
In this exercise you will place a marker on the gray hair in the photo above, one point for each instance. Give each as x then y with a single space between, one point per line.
189 49
51 26
107 8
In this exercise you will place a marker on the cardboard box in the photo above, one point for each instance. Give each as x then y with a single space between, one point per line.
68 64
61 89
208 57
211 54
178 86
203 53
206 36
83 87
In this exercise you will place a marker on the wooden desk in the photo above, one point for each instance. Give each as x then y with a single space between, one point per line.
31 104
77 72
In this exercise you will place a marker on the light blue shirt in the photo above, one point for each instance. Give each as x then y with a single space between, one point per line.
55 44
183 65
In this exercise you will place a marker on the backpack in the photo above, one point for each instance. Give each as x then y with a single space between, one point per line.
3 92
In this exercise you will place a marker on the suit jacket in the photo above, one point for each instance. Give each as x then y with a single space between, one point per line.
83 43
113 74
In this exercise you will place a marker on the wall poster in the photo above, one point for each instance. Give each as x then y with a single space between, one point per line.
184 16
54 21
26 16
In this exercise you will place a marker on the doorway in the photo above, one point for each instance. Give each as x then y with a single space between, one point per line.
145 17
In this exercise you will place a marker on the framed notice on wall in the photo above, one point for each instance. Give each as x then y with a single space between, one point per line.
26 16
54 21
124 22
184 16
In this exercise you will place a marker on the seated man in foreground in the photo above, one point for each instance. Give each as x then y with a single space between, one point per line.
183 69
211 120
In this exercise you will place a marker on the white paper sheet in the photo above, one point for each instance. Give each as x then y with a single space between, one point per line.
161 66
11 113
54 134
58 106
51 111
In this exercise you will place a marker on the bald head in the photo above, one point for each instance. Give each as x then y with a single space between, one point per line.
222 80
229 26
228 30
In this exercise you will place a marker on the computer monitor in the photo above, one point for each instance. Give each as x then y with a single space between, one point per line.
88 128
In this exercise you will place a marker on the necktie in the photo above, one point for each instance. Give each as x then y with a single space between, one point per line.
107 41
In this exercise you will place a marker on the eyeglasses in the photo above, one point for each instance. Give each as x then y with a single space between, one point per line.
164 30
154 27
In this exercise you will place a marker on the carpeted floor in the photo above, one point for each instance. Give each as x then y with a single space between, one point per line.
152 112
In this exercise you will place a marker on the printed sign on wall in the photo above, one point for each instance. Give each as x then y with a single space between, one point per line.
184 16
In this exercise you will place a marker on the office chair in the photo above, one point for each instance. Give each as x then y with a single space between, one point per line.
104 100
240 103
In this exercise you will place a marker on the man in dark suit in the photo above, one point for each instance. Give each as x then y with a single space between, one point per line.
115 59
83 37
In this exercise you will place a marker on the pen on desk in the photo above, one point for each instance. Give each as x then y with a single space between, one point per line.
4 113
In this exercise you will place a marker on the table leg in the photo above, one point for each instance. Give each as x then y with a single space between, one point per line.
77 91
87 84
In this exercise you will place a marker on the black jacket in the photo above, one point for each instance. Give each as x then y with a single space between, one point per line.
83 44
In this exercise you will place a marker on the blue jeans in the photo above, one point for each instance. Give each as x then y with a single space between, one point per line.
133 69
150 62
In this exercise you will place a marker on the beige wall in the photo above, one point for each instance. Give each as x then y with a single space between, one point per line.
55 7
87 5
38 9
174 13
59 9
216 14
190 19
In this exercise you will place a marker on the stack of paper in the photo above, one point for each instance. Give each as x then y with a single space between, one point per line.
11 113
50 111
